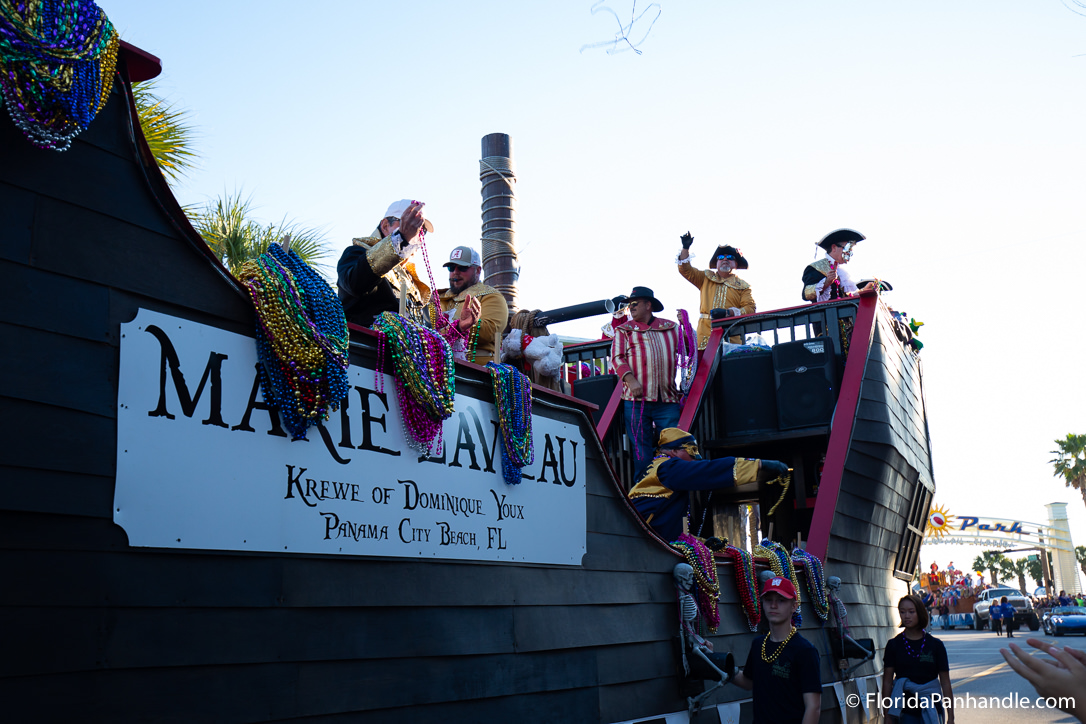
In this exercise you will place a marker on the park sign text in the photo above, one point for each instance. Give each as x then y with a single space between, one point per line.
203 463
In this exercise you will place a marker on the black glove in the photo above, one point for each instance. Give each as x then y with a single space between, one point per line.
687 240
771 470
720 313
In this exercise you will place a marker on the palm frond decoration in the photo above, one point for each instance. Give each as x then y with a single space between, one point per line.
227 226
167 130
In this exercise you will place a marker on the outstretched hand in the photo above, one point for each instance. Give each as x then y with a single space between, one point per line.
1062 677
686 240
411 221
469 313
771 470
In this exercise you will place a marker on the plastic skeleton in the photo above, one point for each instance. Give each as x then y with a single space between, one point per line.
715 665
833 585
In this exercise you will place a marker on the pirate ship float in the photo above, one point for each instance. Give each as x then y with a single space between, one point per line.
171 555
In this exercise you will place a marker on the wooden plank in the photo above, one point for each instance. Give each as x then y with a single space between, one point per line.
621 553
56 370
52 309
64 493
53 438
88 245
87 176
545 628
638 699
17 208
169 637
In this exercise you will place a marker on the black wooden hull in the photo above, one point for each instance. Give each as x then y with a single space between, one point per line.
99 630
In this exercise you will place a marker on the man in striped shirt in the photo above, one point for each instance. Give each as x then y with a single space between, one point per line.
643 355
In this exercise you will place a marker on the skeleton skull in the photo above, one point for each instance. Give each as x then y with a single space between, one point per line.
684 576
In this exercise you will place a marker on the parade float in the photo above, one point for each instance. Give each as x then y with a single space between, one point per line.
181 546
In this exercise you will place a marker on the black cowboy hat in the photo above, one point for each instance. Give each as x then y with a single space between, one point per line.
842 237
646 293
740 260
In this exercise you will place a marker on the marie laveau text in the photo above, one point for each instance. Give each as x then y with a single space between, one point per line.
378 490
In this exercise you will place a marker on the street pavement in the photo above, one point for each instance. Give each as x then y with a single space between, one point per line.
978 669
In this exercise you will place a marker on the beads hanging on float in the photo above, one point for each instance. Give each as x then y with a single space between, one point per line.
816 581
57 64
700 558
422 363
781 563
513 401
302 338
746 581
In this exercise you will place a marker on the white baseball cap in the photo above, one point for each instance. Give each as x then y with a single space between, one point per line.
398 208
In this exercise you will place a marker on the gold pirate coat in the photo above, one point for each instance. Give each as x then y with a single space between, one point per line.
493 317
718 292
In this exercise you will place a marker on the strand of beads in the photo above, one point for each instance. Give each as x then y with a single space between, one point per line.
701 560
57 63
687 353
746 581
781 563
513 400
302 338
422 362
816 581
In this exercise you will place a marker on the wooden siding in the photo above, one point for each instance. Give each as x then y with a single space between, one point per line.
99 631
888 459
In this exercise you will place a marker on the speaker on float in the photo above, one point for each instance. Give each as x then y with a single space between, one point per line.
748 393
597 390
806 375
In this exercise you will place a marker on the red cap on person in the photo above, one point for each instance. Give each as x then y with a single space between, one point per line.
779 585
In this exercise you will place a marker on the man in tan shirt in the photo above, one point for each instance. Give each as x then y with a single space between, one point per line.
479 311
720 287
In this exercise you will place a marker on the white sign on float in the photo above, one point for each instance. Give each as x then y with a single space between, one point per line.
202 463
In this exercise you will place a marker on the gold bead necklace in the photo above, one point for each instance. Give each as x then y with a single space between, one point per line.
770 659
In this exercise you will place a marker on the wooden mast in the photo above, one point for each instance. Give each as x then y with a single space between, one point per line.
497 176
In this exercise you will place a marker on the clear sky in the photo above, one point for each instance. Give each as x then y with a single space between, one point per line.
951 134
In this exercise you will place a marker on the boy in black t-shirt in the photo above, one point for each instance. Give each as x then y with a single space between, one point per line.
782 667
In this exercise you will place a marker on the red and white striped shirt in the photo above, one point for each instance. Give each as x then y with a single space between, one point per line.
649 351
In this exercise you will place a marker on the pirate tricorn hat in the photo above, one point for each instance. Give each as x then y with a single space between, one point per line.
841 236
740 260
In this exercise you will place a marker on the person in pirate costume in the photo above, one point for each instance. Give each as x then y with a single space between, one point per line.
825 278
479 311
375 274
723 294
677 468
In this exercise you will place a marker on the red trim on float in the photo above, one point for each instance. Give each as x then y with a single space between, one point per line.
844 418
141 64
701 379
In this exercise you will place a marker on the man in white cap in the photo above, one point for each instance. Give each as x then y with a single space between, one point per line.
375 274
478 310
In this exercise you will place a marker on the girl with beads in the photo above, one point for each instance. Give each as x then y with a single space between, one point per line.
782 667
915 667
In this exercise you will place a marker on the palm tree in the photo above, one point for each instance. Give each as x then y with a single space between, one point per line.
227 227
167 131
990 561
224 223
1015 567
1070 462
1080 556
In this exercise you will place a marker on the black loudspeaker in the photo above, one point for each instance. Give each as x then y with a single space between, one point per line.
806 374
597 390
747 389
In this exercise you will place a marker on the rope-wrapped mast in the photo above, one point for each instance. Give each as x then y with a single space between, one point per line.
497 176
